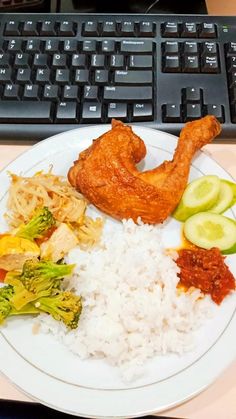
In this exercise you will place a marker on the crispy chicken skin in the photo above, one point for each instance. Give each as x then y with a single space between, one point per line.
107 176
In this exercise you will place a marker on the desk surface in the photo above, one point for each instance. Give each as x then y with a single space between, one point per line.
219 400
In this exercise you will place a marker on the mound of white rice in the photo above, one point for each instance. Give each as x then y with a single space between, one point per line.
131 307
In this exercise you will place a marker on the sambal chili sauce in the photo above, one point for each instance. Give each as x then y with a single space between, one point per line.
206 270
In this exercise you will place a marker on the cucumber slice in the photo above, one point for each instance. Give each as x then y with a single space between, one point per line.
200 195
225 198
233 187
208 230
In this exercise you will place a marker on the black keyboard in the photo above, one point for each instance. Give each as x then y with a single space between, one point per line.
60 71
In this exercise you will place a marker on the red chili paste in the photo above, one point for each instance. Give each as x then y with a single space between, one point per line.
206 270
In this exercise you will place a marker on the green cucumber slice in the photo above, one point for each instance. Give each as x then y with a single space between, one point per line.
200 195
224 199
208 230
233 187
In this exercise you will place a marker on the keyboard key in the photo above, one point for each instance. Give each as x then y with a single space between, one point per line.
31 92
11 91
127 28
191 64
109 28
14 45
171 113
210 64
91 93
81 76
216 110
101 77
232 79
26 111
59 60
140 61
92 112
193 111
146 28
209 48
89 46
171 64
40 60
66 28
133 77
21 60
233 114
171 47
128 93
33 45
108 46
51 45
192 94
50 92
23 75
5 75
42 76
232 95
90 28
170 29
62 76
29 28
207 30
70 45
48 28
231 47
117 61
140 47
70 92
4 60
97 61
189 30
117 110
12 28
190 47
78 60
142 112
66 112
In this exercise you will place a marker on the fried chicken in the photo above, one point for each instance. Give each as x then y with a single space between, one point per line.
107 176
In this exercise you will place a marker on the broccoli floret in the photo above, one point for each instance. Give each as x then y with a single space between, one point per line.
64 306
6 307
38 279
37 227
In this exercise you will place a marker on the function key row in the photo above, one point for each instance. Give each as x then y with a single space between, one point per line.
113 28
188 30
44 28
70 28
192 107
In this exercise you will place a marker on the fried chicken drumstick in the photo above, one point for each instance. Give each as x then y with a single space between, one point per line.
107 176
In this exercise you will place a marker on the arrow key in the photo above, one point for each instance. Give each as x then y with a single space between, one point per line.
216 110
193 111
171 113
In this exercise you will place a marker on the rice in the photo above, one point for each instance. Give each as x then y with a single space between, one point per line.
132 310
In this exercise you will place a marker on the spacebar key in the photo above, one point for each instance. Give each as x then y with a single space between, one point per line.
19 112
120 93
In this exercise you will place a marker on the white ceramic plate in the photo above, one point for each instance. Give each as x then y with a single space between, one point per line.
49 373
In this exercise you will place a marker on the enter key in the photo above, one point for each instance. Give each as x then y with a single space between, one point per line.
133 77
